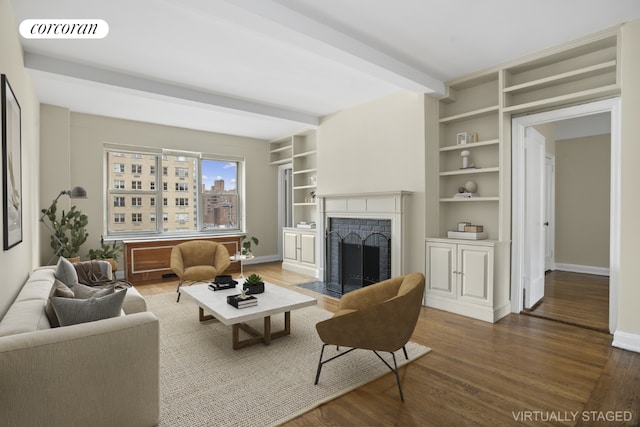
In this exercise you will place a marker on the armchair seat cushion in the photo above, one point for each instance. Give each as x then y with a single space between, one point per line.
199 272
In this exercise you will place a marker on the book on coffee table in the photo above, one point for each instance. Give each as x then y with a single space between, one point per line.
238 302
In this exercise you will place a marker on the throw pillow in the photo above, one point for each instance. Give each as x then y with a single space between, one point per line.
66 272
83 291
58 289
71 311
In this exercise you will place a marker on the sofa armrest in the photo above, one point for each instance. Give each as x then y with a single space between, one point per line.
101 373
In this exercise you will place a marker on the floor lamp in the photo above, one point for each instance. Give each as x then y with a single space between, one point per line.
74 193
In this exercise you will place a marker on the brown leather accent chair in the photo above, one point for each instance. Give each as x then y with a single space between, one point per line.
378 317
198 261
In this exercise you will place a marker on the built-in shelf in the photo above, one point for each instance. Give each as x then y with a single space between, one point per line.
470 171
565 99
283 148
305 171
566 77
471 114
471 145
470 199
302 187
304 204
305 154
280 161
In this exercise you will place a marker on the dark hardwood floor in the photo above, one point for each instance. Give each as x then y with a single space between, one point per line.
521 370
576 299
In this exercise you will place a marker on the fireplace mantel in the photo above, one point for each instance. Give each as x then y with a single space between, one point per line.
391 205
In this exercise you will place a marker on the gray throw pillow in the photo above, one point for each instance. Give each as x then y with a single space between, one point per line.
71 311
66 272
83 291
58 289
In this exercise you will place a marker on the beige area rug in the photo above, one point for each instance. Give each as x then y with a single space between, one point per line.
204 382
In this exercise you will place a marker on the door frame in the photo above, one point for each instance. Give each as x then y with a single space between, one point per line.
550 209
519 124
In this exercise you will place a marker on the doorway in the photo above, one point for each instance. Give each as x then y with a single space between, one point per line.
522 229
285 201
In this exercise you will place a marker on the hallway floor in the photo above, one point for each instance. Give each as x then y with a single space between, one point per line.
575 298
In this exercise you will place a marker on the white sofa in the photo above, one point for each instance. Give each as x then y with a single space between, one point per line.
100 373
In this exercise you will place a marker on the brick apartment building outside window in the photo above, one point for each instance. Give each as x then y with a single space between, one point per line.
203 189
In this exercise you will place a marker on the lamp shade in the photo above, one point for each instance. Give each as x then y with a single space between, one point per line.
78 193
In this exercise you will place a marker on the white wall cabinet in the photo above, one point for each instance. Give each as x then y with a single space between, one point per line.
299 251
462 278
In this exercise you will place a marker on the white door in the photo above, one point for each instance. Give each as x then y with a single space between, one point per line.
550 185
534 217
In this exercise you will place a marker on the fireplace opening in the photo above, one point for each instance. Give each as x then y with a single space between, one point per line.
358 253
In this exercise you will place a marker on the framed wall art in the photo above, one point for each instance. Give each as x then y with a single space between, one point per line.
11 167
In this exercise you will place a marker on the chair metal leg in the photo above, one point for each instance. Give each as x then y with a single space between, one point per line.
394 369
404 349
178 290
319 365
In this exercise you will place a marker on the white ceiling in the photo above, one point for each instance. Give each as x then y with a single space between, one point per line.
270 68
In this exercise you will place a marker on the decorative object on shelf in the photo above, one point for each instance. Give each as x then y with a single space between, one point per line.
312 180
68 234
246 244
466 235
313 196
465 159
462 225
473 228
11 166
107 252
471 186
304 224
253 284
474 137
462 138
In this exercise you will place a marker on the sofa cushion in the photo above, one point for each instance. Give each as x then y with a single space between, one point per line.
58 289
71 311
66 272
81 291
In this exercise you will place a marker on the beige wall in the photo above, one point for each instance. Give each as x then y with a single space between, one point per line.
17 262
629 298
582 201
376 147
85 136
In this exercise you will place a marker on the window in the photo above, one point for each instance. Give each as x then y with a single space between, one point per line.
203 192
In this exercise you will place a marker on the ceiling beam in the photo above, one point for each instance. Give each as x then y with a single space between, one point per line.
86 72
333 44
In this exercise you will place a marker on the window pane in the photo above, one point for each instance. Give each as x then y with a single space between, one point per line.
179 206
128 173
219 194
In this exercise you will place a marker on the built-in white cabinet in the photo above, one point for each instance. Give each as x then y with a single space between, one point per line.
299 250
463 277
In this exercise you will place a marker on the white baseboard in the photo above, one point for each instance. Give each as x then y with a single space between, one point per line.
626 341
585 269
262 259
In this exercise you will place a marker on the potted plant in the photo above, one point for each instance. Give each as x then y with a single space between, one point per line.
253 284
246 244
69 232
108 252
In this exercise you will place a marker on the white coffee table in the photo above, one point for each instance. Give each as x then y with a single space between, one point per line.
274 300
